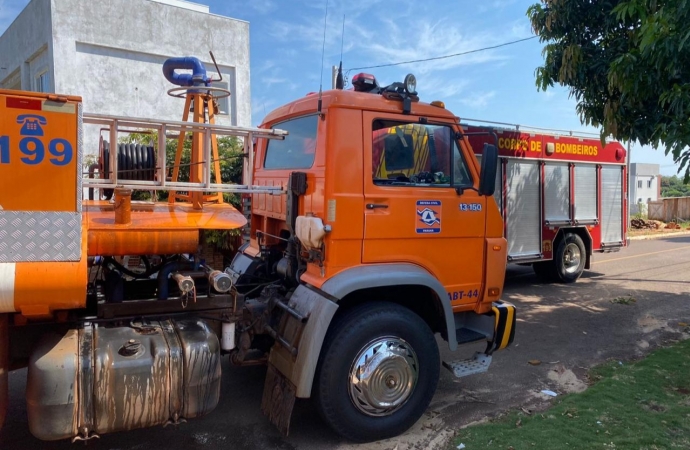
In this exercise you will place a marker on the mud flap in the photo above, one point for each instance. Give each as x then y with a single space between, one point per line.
278 399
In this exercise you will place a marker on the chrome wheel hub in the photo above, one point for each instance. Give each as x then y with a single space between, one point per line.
383 376
571 258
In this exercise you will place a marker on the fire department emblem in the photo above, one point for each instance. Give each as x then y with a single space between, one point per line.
428 216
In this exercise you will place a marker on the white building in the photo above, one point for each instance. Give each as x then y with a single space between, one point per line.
645 185
111 53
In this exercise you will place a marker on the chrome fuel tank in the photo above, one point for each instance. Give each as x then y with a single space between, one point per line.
99 379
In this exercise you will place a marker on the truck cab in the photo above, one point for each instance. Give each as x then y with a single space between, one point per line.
389 235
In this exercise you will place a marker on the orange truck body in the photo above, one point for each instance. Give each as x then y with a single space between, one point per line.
372 217
340 186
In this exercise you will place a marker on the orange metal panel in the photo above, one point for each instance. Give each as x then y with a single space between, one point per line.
100 215
43 287
121 242
154 228
38 152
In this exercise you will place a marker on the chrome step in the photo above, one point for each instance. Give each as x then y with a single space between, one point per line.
478 364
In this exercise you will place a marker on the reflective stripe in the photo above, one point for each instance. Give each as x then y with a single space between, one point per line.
509 327
7 275
504 326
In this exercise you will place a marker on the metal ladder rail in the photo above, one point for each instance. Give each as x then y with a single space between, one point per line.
115 123
517 128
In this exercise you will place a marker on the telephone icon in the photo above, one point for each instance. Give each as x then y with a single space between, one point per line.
31 124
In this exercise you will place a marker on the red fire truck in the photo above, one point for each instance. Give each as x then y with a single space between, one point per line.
563 197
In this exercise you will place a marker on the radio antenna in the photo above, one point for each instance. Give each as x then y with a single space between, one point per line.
339 82
323 51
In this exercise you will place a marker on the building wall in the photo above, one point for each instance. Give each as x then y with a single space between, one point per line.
111 53
26 48
648 176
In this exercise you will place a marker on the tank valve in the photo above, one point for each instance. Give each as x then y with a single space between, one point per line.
220 281
185 283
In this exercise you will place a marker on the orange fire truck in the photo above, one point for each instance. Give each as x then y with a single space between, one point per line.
373 227
562 197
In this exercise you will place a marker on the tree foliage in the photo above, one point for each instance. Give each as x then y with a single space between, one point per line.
626 62
674 187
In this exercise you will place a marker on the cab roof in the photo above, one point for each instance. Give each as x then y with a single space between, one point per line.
354 100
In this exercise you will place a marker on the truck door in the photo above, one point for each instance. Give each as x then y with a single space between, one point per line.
419 205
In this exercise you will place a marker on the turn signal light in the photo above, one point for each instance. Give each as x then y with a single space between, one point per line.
497 248
493 292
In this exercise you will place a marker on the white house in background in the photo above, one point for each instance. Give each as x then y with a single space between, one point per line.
645 185
111 53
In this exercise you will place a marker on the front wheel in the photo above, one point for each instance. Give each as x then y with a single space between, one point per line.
377 372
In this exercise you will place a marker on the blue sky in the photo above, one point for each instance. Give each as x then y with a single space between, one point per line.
287 36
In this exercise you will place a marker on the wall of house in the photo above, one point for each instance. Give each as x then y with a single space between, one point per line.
26 48
644 186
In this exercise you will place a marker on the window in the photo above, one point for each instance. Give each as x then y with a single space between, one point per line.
41 82
649 183
639 183
649 199
223 101
297 150
405 154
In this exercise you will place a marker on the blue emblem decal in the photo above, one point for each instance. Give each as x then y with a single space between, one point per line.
428 216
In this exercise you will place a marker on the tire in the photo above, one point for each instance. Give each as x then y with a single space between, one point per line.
569 259
545 271
406 349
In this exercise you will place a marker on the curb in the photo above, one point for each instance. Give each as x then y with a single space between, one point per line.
659 236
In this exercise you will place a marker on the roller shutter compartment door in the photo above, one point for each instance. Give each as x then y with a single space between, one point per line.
586 193
557 192
611 205
523 208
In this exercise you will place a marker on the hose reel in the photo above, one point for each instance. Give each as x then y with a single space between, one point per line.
134 162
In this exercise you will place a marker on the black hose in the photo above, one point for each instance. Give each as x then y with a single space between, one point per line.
141 276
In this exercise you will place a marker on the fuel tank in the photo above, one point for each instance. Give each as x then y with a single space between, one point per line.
98 379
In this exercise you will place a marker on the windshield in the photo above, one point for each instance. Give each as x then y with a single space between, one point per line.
297 150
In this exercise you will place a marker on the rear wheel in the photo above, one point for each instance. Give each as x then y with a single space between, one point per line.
570 258
377 373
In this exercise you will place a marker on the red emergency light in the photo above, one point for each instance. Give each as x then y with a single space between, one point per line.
364 82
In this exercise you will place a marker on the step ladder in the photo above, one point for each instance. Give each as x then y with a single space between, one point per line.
479 363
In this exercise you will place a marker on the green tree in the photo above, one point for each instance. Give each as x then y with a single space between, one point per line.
626 62
674 187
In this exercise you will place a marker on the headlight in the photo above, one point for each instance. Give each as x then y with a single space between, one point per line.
410 84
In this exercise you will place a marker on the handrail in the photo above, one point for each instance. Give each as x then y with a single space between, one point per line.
248 134
527 128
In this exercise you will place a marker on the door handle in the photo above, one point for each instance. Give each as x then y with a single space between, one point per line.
376 205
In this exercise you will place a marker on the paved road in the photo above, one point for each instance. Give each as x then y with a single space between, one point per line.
567 327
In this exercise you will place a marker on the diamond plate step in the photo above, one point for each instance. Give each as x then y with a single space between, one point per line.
478 364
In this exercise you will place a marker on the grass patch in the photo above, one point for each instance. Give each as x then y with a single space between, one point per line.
624 300
643 405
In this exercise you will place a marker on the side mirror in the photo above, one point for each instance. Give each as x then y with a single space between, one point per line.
487 174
